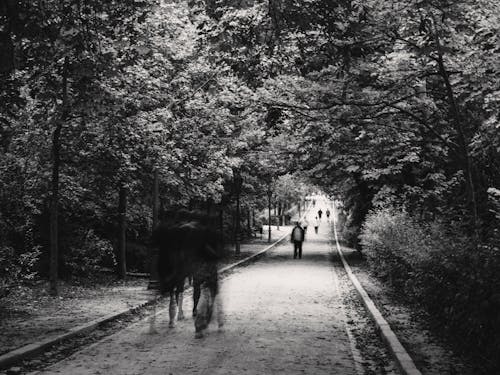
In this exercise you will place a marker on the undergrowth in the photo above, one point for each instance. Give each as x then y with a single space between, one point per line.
439 268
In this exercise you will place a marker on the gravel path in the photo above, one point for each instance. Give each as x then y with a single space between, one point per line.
283 316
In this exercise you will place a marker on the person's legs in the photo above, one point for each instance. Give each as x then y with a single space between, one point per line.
172 309
300 249
296 247
216 300
202 312
218 310
208 279
180 298
196 292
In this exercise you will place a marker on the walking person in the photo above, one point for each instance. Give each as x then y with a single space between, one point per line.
305 225
327 214
316 225
320 212
297 239
209 298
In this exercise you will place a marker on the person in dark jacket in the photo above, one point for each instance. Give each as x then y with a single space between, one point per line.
297 240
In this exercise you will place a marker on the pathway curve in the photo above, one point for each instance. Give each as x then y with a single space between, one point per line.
283 316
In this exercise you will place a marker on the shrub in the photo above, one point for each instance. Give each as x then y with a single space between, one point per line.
16 267
441 269
393 243
88 255
137 256
349 232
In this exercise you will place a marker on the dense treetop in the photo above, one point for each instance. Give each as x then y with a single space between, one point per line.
393 106
381 102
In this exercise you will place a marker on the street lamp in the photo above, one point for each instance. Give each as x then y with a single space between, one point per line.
269 196
238 182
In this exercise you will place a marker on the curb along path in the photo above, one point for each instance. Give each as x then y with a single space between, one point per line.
399 353
28 351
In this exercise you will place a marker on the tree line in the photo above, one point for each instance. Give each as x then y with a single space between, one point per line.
110 112
393 106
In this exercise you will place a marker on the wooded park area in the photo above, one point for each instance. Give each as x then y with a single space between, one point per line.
390 106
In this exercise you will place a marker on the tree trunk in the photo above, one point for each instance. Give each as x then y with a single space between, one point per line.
122 231
269 219
54 211
54 199
238 225
209 206
278 215
463 153
249 221
221 223
153 252
156 199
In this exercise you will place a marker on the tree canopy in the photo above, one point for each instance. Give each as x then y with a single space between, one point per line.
382 103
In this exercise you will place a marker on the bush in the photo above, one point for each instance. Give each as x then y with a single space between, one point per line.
16 267
392 243
349 232
439 268
137 257
88 255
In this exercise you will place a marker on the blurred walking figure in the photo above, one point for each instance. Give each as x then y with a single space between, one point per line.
320 213
189 246
297 239
327 214
205 279
205 282
316 224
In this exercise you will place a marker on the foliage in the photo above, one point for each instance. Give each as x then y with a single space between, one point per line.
381 103
442 271
16 268
378 100
133 88
88 255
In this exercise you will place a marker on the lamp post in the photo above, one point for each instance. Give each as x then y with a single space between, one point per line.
238 181
269 196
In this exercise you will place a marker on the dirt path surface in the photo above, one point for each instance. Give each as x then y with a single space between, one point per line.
283 316
31 315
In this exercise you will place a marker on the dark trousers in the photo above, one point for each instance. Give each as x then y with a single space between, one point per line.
297 248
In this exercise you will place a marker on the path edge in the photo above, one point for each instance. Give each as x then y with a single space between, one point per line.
400 355
248 259
24 352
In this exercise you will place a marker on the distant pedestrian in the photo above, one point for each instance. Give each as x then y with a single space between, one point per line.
316 225
305 225
327 214
320 213
297 239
